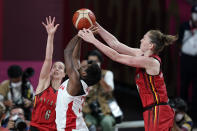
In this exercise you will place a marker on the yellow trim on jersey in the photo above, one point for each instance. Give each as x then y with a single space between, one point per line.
153 88
150 78
155 114
35 101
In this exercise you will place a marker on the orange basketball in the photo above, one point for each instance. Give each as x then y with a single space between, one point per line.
83 18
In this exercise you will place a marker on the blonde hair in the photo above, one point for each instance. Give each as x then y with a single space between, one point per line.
161 40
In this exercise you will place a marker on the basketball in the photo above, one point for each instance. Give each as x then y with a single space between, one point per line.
83 18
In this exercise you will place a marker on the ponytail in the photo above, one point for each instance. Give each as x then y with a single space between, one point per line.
161 40
169 39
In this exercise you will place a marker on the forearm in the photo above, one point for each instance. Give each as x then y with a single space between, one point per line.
108 38
112 54
115 44
68 52
76 54
49 48
71 46
48 58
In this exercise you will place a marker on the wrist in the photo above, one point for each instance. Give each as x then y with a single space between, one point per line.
94 41
51 35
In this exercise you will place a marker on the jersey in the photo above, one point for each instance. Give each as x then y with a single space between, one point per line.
69 109
153 94
43 114
152 88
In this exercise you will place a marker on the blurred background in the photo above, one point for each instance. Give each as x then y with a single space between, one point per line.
23 38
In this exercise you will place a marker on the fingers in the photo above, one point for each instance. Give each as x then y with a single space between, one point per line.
84 30
53 20
88 31
81 33
44 24
92 27
56 26
49 19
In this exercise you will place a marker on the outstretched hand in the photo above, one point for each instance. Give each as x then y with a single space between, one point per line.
50 27
94 29
86 35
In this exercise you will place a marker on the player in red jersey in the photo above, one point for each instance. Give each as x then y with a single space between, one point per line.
158 115
51 77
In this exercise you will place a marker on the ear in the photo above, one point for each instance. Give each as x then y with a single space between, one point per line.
151 46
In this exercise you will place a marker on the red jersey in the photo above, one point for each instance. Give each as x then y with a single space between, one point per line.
43 115
152 88
3 129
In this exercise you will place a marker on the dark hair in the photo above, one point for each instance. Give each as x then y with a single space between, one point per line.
17 107
160 40
93 74
180 104
95 53
15 71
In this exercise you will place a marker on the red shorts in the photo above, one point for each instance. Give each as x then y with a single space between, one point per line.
159 118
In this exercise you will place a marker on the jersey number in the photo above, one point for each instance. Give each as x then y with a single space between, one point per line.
47 114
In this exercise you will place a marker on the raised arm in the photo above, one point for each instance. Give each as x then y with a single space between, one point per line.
44 78
113 42
134 61
76 54
74 85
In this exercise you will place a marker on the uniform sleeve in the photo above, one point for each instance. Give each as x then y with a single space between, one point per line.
109 79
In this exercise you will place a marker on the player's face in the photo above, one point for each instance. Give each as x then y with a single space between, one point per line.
57 71
83 69
146 43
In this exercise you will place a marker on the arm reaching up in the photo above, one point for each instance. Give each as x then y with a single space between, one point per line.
113 42
76 54
44 78
134 61
74 85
